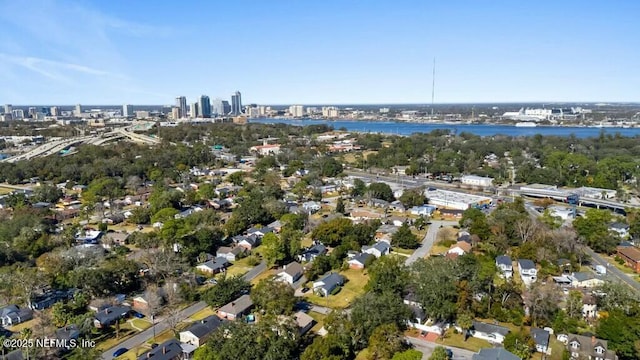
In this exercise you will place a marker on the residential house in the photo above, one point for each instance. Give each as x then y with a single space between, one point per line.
65 335
114 219
398 220
541 338
424 210
495 354
311 206
385 233
505 266
246 241
359 261
112 238
88 236
326 285
397 206
215 266
460 248
291 272
591 348
110 315
631 257
584 279
528 272
361 214
276 226
259 232
199 331
304 322
12 315
312 252
589 307
169 350
620 229
378 249
236 309
188 212
490 332
231 254
48 298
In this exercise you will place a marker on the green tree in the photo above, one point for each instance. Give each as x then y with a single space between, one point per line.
47 193
410 354
275 249
388 273
405 238
359 188
274 297
465 321
320 265
413 197
476 222
385 341
434 282
372 310
594 229
227 289
164 215
622 330
439 353
381 191
333 231
140 215
340 206
237 178
520 343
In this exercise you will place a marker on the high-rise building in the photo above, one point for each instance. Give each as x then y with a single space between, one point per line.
236 103
8 108
296 110
45 111
32 112
217 107
181 103
55 111
17 114
226 108
175 113
127 110
330 112
193 111
78 110
205 106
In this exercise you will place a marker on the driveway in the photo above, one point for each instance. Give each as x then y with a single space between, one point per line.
429 240
427 347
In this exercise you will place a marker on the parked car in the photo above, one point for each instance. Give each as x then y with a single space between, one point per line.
449 353
120 352
305 289
137 315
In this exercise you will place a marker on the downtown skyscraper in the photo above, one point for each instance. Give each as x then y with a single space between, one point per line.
205 106
236 103
181 104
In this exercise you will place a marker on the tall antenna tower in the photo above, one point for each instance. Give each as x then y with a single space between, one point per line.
433 85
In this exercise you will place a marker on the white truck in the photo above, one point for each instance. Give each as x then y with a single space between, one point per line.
600 269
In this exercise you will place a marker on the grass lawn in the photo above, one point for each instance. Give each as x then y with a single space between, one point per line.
4 190
457 340
133 353
306 242
264 275
319 318
557 348
239 267
354 287
141 323
107 341
25 325
623 268
403 251
438 250
208 311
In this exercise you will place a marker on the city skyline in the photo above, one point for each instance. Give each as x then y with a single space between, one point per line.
331 53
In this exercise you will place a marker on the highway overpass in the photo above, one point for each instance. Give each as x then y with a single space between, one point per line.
561 195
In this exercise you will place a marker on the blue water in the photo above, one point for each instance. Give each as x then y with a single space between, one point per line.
404 128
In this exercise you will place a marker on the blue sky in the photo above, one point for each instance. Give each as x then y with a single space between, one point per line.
311 52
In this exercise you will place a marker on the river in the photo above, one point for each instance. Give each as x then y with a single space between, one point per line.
407 128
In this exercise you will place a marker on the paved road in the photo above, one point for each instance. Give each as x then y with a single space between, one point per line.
428 241
162 325
612 270
427 347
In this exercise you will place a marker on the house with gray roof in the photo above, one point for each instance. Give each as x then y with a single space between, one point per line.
360 260
378 249
541 338
584 279
236 309
230 253
490 332
312 252
169 350
528 271
326 285
12 315
214 266
291 272
584 347
110 315
199 331
495 354
505 266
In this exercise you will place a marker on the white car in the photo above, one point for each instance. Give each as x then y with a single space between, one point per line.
563 338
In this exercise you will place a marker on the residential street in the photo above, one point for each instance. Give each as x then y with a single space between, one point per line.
429 240
612 271
427 347
162 325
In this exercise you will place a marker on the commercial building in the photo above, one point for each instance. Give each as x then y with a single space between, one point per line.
330 112
296 110
78 111
181 104
55 111
8 108
455 200
193 111
175 113
204 106
474 180
127 110
17 114
236 103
